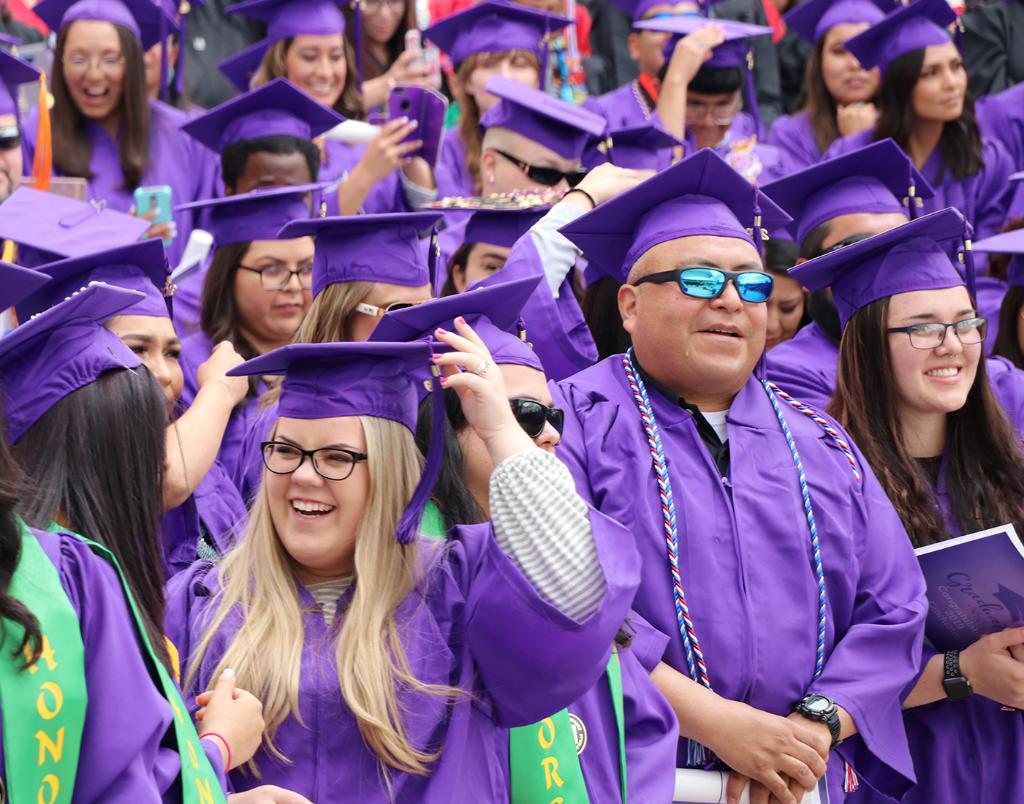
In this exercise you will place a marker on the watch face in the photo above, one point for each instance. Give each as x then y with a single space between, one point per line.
818 705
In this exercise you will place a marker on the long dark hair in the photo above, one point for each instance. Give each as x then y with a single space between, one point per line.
600 308
818 103
95 462
10 551
1007 343
218 312
395 45
72 150
985 477
960 144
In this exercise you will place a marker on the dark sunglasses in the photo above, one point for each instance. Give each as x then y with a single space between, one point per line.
547 176
532 416
10 138
709 283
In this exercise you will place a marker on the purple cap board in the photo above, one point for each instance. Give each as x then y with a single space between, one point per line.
701 195
877 179
494 313
561 127
327 380
921 24
13 73
144 18
731 53
1011 243
812 19
242 66
500 227
924 254
49 227
286 19
257 215
16 283
640 147
492 27
274 109
368 248
140 266
62 349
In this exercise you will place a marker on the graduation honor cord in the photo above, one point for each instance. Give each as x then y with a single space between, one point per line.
697 755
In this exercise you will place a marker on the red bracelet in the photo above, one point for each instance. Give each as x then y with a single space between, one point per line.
227 746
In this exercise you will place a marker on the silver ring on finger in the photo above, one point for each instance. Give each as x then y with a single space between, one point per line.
483 368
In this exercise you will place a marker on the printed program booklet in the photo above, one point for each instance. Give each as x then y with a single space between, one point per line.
975 586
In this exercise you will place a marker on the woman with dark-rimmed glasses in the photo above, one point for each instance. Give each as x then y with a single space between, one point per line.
938 424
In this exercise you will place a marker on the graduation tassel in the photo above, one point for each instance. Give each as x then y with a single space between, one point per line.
750 93
433 256
165 87
545 53
179 63
42 160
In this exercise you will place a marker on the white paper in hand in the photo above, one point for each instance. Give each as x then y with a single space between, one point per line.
708 787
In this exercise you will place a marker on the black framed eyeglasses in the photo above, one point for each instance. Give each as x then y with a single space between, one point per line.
547 176
532 416
933 335
331 463
278 277
709 283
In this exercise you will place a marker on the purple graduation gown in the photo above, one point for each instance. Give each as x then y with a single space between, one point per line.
983 198
474 621
625 107
340 158
793 136
175 160
453 177
1001 117
805 366
756 160
123 755
555 326
746 559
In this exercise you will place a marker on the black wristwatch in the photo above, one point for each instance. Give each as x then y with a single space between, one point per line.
823 710
953 682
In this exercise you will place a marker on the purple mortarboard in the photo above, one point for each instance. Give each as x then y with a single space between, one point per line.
49 227
257 215
16 283
241 67
921 24
878 179
141 267
564 128
13 73
925 254
286 19
701 195
501 227
494 313
9 40
59 351
492 27
273 109
1011 243
639 147
144 18
368 248
812 19
325 380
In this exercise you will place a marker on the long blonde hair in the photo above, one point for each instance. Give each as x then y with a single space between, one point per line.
257 581
326 321
273 65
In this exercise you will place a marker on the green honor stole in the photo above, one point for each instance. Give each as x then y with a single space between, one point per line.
544 762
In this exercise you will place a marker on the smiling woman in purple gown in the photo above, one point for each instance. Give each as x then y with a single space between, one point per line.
918 400
414 651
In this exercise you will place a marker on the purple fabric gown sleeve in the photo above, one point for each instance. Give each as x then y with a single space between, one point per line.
453 178
887 630
531 659
794 136
992 193
385 196
648 643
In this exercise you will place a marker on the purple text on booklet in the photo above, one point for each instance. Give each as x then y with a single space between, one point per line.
975 586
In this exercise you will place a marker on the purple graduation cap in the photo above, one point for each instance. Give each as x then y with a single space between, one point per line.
16 283
368 248
257 215
493 312
1011 243
930 253
498 227
735 51
812 19
141 267
921 24
491 27
325 380
59 351
562 127
701 195
640 147
144 18
242 66
49 227
878 178
13 73
276 108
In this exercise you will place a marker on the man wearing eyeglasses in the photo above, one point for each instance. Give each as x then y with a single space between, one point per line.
763 533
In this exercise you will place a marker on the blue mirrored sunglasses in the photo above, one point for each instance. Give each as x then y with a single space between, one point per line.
709 283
